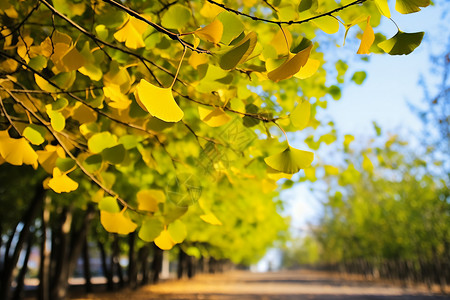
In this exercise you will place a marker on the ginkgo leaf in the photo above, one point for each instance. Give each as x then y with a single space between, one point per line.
331 170
357 20
309 69
47 157
282 41
177 231
17 151
383 7
148 199
197 59
131 32
211 219
213 117
117 222
109 204
57 119
211 32
159 102
118 100
290 161
176 17
410 6
164 240
367 164
61 183
276 175
367 39
402 43
35 134
239 53
100 141
233 26
301 114
115 154
291 66
150 229
327 24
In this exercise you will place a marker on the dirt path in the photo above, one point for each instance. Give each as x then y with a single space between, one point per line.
290 285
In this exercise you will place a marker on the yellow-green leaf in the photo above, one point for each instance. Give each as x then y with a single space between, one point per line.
211 32
35 134
100 141
150 229
177 231
301 114
402 43
117 222
131 32
383 7
367 164
61 183
327 24
309 69
367 39
239 53
290 161
410 6
159 102
176 17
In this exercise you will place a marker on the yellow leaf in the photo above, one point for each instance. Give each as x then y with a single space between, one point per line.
213 117
327 24
164 240
131 32
211 219
210 10
331 170
301 114
197 59
291 66
383 7
367 164
358 19
211 32
61 183
148 199
47 158
290 161
309 69
159 102
44 85
367 39
17 151
282 43
118 100
117 222
410 6
83 114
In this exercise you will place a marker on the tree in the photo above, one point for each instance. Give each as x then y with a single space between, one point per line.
166 117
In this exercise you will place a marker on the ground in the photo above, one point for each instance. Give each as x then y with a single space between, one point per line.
284 285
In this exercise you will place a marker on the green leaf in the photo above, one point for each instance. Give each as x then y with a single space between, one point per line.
176 17
115 154
290 161
35 134
109 204
65 164
177 231
239 53
100 141
410 6
359 77
93 163
402 43
57 120
232 25
150 229
38 62
335 92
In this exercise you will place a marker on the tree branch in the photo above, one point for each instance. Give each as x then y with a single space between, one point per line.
254 18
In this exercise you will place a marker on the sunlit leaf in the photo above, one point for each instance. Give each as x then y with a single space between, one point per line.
148 199
117 222
213 117
359 77
300 115
367 39
402 43
367 164
239 53
17 151
309 69
331 170
61 183
327 24
383 7
109 204
291 66
197 59
232 25
290 161
159 102
100 141
35 134
47 157
410 6
164 240
211 32
131 32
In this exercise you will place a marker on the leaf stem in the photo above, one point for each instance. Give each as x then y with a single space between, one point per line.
178 69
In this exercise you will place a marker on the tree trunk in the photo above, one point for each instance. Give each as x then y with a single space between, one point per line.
143 264
87 266
44 264
18 293
132 268
107 272
10 262
156 263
